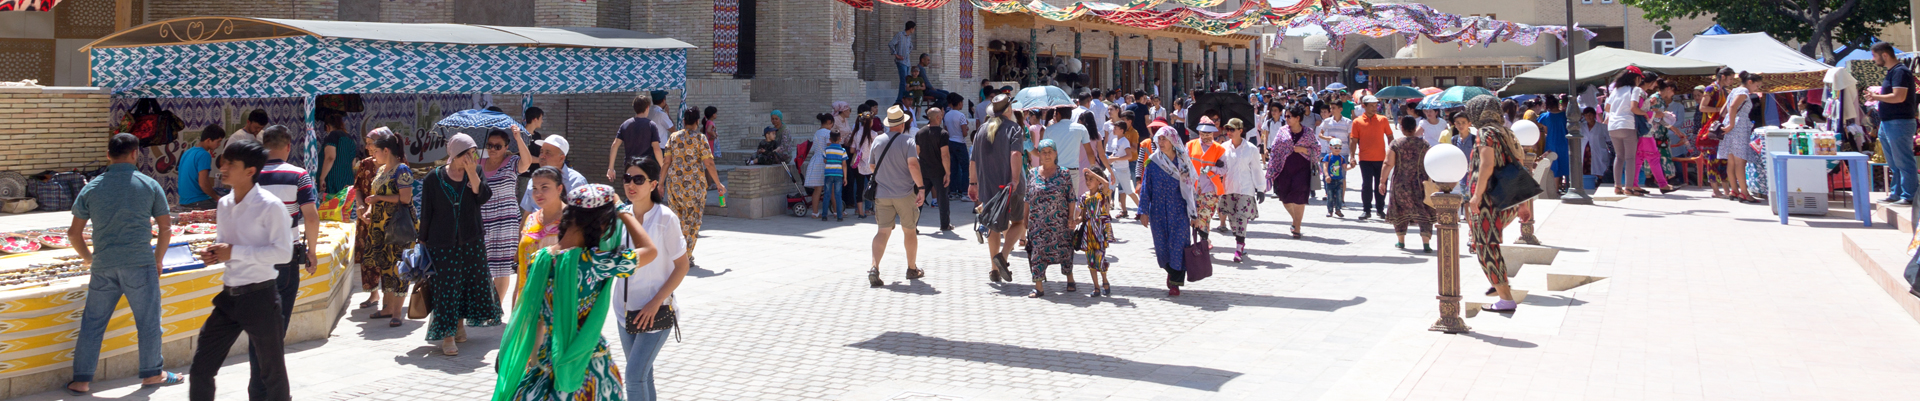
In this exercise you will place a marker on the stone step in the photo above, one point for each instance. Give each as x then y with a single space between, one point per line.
1517 254
1898 216
1882 254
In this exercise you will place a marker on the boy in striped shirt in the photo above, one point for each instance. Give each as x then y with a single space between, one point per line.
836 167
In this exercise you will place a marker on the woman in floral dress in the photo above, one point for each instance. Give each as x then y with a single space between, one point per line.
1406 174
392 190
568 302
688 173
500 215
363 174
1097 214
1050 218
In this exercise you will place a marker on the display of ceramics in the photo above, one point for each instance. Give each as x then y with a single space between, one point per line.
57 241
12 185
17 243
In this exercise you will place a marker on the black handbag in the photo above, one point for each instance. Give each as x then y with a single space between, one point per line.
1510 186
403 225
873 185
663 319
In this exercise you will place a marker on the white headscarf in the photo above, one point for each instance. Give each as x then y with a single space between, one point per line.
1174 160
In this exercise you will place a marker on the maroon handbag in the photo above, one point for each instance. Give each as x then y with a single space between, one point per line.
1198 258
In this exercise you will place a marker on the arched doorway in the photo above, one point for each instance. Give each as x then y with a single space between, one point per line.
1351 74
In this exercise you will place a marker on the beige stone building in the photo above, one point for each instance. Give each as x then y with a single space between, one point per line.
1391 61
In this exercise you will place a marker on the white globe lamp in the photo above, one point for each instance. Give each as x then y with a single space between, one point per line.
1446 164
1526 132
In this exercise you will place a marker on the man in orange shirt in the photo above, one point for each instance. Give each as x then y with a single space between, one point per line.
1206 160
1370 134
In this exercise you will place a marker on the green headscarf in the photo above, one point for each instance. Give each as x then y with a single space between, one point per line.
571 348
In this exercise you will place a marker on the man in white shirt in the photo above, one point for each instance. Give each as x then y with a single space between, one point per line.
955 123
253 237
659 117
1098 106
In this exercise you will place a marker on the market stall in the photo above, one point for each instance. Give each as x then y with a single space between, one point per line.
211 61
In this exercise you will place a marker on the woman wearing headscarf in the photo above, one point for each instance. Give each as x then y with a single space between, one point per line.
391 191
1406 174
1493 147
552 349
455 240
1290 169
1167 197
690 171
1052 214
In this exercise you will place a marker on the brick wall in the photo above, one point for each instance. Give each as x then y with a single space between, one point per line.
158 10
52 128
689 21
417 11
565 13
588 121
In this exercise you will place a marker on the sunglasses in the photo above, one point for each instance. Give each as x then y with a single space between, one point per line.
496 146
636 179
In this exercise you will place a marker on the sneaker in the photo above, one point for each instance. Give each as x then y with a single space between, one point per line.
873 278
1239 256
1890 199
1902 202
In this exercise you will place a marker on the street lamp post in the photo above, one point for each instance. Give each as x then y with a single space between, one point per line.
1446 162
1578 196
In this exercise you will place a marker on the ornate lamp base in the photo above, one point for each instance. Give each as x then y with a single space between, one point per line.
1447 206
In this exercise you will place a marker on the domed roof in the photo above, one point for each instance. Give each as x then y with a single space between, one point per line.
1404 52
1314 43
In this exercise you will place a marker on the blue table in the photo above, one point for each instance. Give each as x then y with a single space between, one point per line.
1857 165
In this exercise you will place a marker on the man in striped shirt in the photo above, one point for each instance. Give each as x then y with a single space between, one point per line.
294 187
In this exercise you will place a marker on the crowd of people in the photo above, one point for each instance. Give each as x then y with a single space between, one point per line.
454 244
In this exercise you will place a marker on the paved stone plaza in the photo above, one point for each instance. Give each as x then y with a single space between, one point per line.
1696 299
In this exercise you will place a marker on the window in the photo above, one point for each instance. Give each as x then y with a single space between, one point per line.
1445 82
1586 1
1662 42
1606 1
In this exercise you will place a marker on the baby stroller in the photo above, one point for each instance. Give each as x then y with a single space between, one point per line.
797 205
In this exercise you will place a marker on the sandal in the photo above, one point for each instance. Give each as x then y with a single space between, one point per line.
369 304
1496 307
394 322
379 315
1401 245
447 347
1036 294
994 275
915 274
72 392
1296 233
171 379
1072 287
873 279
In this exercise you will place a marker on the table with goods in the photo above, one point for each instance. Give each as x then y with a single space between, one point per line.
43 290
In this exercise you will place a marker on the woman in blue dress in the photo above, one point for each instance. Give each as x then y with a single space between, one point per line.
1166 197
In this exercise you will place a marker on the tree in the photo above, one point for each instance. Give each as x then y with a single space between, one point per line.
1815 23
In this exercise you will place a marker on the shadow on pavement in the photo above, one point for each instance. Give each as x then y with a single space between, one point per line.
912 344
1400 260
1502 341
1374 225
915 287
472 358
696 271
377 330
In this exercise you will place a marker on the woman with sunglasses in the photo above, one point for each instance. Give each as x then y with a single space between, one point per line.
456 242
649 289
500 216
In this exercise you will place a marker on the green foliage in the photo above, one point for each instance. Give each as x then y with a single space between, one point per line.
1788 20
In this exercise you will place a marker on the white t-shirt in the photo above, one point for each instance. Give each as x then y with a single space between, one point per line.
1067 139
1117 145
1157 112
1336 127
1620 106
1099 110
663 227
1432 132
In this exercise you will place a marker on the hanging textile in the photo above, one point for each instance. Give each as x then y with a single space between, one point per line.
726 36
27 5
966 39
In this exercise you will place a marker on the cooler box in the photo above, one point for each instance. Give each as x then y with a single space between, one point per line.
1806 191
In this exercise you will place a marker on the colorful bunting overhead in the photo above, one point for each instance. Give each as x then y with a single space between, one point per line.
27 5
1337 17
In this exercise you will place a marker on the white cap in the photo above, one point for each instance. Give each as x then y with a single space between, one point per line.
1207 127
557 142
1369 99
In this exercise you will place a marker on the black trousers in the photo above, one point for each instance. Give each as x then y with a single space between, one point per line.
287 285
1372 199
939 193
251 312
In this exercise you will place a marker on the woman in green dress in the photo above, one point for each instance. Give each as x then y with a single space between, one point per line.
561 356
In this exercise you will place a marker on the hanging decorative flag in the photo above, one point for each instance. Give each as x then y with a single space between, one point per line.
726 36
966 39
28 5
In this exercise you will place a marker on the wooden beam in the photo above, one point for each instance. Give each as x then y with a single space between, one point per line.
122 15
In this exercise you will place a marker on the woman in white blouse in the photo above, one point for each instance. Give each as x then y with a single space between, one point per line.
651 286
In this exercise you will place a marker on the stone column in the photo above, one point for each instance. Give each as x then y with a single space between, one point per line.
1148 80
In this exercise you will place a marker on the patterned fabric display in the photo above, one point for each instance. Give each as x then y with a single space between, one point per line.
966 39
27 5
726 36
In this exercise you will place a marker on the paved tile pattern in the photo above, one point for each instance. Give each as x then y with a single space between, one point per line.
1702 299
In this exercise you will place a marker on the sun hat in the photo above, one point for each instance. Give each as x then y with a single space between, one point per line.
1234 123
1207 127
1369 99
896 116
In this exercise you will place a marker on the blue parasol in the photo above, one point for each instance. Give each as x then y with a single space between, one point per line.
475 123
1041 97
1453 97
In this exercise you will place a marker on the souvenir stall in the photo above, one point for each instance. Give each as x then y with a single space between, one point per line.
1786 71
232 64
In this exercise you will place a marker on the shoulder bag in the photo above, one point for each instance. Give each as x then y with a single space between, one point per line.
1197 259
873 184
1511 184
663 319
401 228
